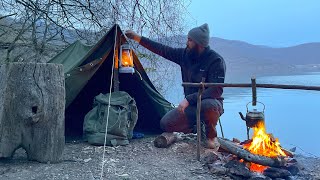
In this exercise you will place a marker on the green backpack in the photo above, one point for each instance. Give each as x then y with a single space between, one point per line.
123 115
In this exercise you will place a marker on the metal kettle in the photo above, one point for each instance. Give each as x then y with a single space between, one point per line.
253 117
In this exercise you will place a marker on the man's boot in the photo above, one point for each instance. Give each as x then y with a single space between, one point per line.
211 118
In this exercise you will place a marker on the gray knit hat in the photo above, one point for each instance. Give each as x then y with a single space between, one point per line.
200 35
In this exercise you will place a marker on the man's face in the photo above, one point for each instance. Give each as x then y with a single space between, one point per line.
190 43
192 48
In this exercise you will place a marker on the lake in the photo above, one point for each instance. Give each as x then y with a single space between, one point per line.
292 116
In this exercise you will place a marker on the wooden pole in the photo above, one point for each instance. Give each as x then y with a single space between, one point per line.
254 98
116 64
198 119
248 130
277 86
221 128
254 91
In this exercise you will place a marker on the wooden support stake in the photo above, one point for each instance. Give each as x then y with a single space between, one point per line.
221 128
254 91
116 52
201 88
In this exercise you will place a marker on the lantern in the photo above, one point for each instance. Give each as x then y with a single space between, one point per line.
126 59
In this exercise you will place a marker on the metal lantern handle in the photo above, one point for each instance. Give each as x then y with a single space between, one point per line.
257 102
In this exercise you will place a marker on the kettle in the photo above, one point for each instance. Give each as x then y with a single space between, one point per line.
253 117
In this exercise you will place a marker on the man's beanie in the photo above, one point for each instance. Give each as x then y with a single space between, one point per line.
200 35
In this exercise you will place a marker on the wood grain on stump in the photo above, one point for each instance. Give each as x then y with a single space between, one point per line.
32 103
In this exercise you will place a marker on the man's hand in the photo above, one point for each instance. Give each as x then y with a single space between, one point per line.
132 35
183 105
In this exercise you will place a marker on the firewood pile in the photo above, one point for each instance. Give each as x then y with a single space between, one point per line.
235 161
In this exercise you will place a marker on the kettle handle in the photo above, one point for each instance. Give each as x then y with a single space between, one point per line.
257 102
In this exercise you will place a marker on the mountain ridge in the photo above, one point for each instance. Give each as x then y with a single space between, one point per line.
245 60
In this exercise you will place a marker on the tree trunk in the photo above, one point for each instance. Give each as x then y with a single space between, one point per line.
32 104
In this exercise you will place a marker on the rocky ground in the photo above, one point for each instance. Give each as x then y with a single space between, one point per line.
138 160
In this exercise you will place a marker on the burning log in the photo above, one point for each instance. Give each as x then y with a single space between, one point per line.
276 172
287 152
247 156
237 168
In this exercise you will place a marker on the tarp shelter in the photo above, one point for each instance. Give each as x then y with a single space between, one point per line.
87 72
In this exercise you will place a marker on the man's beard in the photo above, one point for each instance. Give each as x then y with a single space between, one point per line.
193 52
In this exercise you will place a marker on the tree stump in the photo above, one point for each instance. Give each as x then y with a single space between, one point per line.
32 105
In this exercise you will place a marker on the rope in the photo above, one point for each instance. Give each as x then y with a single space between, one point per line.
110 90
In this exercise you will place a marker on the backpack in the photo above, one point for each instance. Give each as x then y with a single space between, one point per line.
123 115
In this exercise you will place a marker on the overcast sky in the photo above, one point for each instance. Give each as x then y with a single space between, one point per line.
276 23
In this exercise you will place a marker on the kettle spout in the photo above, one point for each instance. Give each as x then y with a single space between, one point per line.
242 117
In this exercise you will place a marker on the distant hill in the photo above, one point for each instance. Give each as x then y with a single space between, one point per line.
245 60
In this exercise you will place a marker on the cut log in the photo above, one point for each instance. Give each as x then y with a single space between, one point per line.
165 140
32 103
247 156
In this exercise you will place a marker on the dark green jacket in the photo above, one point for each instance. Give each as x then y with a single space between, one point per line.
209 65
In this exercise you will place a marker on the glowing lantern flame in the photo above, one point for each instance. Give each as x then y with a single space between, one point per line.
263 144
126 60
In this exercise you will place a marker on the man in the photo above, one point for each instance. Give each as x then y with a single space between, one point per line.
197 61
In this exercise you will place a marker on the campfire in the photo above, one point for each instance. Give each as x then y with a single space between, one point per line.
263 144
260 156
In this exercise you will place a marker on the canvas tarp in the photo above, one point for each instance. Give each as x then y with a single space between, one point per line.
88 73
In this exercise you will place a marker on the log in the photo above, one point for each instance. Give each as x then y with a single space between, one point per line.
237 168
277 86
32 104
165 140
247 156
276 173
288 152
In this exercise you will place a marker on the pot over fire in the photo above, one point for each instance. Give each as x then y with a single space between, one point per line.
253 116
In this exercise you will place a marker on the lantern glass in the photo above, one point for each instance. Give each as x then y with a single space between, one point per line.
126 59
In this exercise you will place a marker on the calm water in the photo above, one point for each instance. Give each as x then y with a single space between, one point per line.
292 116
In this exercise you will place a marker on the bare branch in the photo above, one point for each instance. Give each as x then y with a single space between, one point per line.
2 17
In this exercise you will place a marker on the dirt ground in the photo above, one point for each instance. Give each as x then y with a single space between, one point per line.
138 160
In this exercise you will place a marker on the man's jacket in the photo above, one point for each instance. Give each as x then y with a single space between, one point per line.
209 65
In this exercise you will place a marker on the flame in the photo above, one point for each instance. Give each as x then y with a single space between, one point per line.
126 60
257 167
263 144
